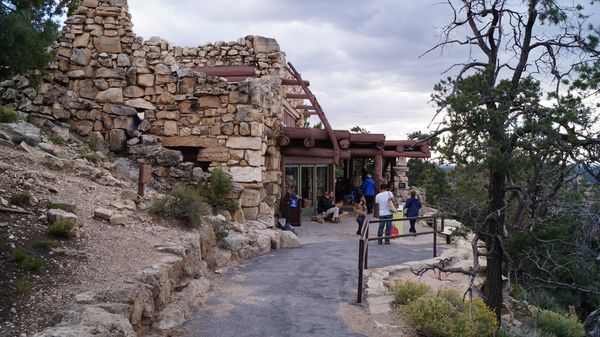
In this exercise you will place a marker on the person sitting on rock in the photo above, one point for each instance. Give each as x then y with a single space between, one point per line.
327 208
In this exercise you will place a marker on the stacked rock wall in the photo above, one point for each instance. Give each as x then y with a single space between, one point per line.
143 97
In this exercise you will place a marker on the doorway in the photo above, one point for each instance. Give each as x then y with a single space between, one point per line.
309 182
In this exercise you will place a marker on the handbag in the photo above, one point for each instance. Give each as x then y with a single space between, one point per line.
391 205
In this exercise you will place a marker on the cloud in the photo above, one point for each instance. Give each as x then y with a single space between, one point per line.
361 57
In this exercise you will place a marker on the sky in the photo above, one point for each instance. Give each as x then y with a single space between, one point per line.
361 57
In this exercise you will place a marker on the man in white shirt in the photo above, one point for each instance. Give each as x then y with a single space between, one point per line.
382 199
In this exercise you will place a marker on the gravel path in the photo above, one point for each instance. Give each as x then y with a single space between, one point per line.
296 292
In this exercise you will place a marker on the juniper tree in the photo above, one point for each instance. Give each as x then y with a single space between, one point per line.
517 106
27 32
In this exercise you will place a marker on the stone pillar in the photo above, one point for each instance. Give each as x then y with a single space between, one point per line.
400 177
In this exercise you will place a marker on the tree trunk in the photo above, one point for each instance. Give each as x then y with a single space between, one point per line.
494 227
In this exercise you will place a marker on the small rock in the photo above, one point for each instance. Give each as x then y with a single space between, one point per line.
48 175
11 237
47 148
33 201
118 219
4 202
103 213
13 311
43 219
3 224
129 195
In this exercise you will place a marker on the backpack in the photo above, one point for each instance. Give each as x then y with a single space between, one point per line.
293 201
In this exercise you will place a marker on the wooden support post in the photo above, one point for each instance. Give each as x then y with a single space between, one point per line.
378 169
145 173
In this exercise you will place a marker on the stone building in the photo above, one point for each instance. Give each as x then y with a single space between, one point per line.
235 105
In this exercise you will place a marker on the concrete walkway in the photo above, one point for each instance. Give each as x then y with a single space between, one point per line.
298 292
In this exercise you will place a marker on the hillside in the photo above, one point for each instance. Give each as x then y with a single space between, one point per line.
42 272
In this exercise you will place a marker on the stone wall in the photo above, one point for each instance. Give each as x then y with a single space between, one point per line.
143 98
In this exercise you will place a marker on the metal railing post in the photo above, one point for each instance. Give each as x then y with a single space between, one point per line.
361 251
434 237
366 265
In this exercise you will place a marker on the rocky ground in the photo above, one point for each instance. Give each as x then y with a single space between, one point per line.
102 254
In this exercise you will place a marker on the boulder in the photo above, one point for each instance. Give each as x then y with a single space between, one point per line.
22 132
55 215
118 219
288 240
103 213
90 320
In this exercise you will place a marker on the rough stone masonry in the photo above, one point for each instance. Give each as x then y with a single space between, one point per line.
142 97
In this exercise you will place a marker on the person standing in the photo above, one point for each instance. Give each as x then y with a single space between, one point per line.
411 209
368 189
360 210
385 213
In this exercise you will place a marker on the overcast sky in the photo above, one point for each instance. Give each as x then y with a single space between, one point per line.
361 57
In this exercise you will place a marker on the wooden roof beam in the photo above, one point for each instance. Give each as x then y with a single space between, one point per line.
287 81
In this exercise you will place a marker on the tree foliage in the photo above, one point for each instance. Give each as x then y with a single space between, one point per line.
358 129
516 108
28 29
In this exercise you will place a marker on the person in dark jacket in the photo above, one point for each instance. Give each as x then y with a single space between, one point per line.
411 209
368 189
326 207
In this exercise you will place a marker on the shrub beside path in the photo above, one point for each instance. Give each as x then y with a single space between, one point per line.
307 291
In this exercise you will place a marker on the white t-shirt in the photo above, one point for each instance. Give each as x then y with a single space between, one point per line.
382 199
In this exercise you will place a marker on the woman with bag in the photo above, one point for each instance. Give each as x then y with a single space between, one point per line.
411 209
360 210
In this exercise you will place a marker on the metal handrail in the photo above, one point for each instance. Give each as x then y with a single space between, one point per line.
363 244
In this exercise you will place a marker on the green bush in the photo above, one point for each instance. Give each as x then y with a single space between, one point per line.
26 261
406 291
453 296
560 325
93 145
447 315
89 156
33 264
483 318
20 199
216 190
60 205
435 316
45 244
8 115
58 140
18 256
183 202
62 229
24 286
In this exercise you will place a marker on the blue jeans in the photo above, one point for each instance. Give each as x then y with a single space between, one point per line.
387 225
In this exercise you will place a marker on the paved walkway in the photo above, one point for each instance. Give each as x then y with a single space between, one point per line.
297 292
